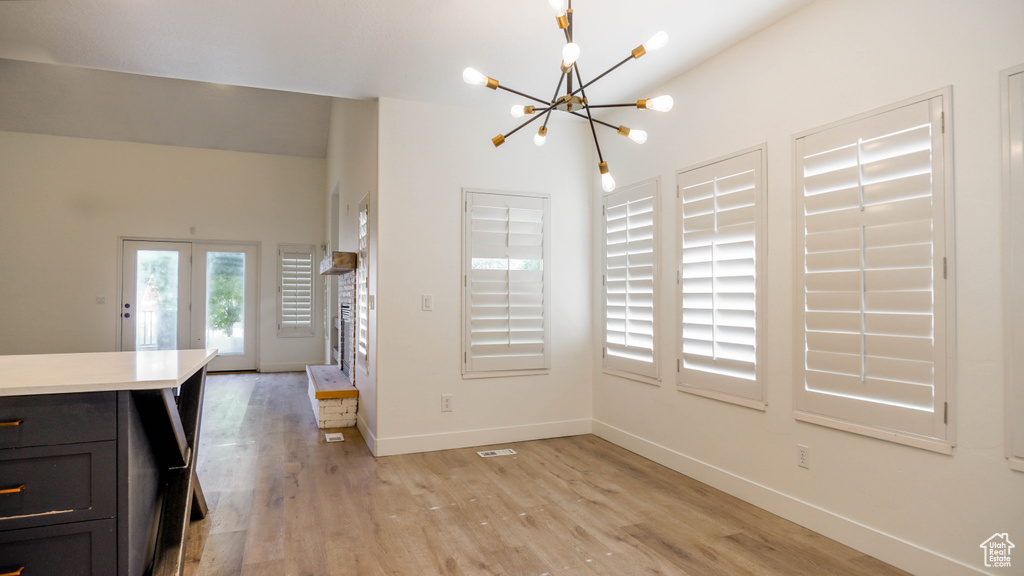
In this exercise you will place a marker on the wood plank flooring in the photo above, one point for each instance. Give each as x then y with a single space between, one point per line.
284 502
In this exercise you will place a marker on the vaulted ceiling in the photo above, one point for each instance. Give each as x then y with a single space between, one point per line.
405 49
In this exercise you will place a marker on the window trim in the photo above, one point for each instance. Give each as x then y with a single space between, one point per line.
947 348
467 256
620 372
761 285
303 332
1013 212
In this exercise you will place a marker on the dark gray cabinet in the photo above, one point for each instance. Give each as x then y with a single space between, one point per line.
79 485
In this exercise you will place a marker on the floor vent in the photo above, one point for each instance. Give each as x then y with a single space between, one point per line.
490 453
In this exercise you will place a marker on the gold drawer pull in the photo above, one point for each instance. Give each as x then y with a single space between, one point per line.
11 423
12 491
15 573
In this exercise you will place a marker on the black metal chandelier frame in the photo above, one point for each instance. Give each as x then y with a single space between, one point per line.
574 101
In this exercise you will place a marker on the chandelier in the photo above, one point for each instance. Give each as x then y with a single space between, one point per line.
574 100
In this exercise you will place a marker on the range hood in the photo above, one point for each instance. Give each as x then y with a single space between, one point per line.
339 263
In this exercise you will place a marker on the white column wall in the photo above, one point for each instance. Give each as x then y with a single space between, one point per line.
352 169
428 154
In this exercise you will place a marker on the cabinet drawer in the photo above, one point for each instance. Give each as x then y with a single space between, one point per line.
79 549
47 419
52 484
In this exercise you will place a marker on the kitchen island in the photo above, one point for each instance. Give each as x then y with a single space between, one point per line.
97 461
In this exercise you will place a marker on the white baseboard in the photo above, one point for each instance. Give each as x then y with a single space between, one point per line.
485 437
368 437
885 547
286 367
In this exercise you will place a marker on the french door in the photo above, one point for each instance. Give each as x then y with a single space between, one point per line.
182 295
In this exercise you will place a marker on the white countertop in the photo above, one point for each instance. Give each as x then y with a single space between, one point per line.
99 371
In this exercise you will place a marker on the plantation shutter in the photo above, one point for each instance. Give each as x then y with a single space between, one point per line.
506 294
720 240
295 294
872 260
363 289
630 239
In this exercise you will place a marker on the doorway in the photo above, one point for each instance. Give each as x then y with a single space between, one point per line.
191 295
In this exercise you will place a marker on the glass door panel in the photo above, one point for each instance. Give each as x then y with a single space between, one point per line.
225 302
155 295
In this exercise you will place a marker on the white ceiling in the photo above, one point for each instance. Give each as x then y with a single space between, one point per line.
406 49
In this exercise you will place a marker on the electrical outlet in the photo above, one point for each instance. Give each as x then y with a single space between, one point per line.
803 456
446 402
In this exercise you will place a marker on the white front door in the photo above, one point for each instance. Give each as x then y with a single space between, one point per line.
182 295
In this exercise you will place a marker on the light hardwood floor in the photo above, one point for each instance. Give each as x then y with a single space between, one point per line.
283 501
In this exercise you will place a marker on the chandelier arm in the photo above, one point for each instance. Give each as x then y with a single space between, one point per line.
558 88
603 74
630 105
593 130
518 93
532 119
601 122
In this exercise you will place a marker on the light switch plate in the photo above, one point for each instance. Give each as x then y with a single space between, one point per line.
428 302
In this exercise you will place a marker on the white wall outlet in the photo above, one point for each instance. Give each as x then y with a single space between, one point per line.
803 456
446 402
428 302
101 299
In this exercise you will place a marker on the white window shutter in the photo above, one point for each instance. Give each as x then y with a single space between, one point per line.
721 279
871 264
295 293
506 289
363 290
630 280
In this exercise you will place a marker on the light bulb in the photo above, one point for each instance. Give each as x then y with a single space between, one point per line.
570 53
657 41
607 182
559 6
518 111
472 76
661 103
541 136
638 136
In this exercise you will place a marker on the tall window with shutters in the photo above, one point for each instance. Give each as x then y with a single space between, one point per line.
630 281
874 315
506 320
295 293
1013 254
721 278
362 328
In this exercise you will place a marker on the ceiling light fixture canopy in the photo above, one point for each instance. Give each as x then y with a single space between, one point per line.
574 100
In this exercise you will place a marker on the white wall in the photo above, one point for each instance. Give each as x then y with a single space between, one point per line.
352 171
428 154
64 202
925 512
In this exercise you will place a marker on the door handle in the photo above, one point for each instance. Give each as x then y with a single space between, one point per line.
12 491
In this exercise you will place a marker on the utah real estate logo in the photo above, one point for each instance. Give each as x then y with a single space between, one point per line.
997 550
